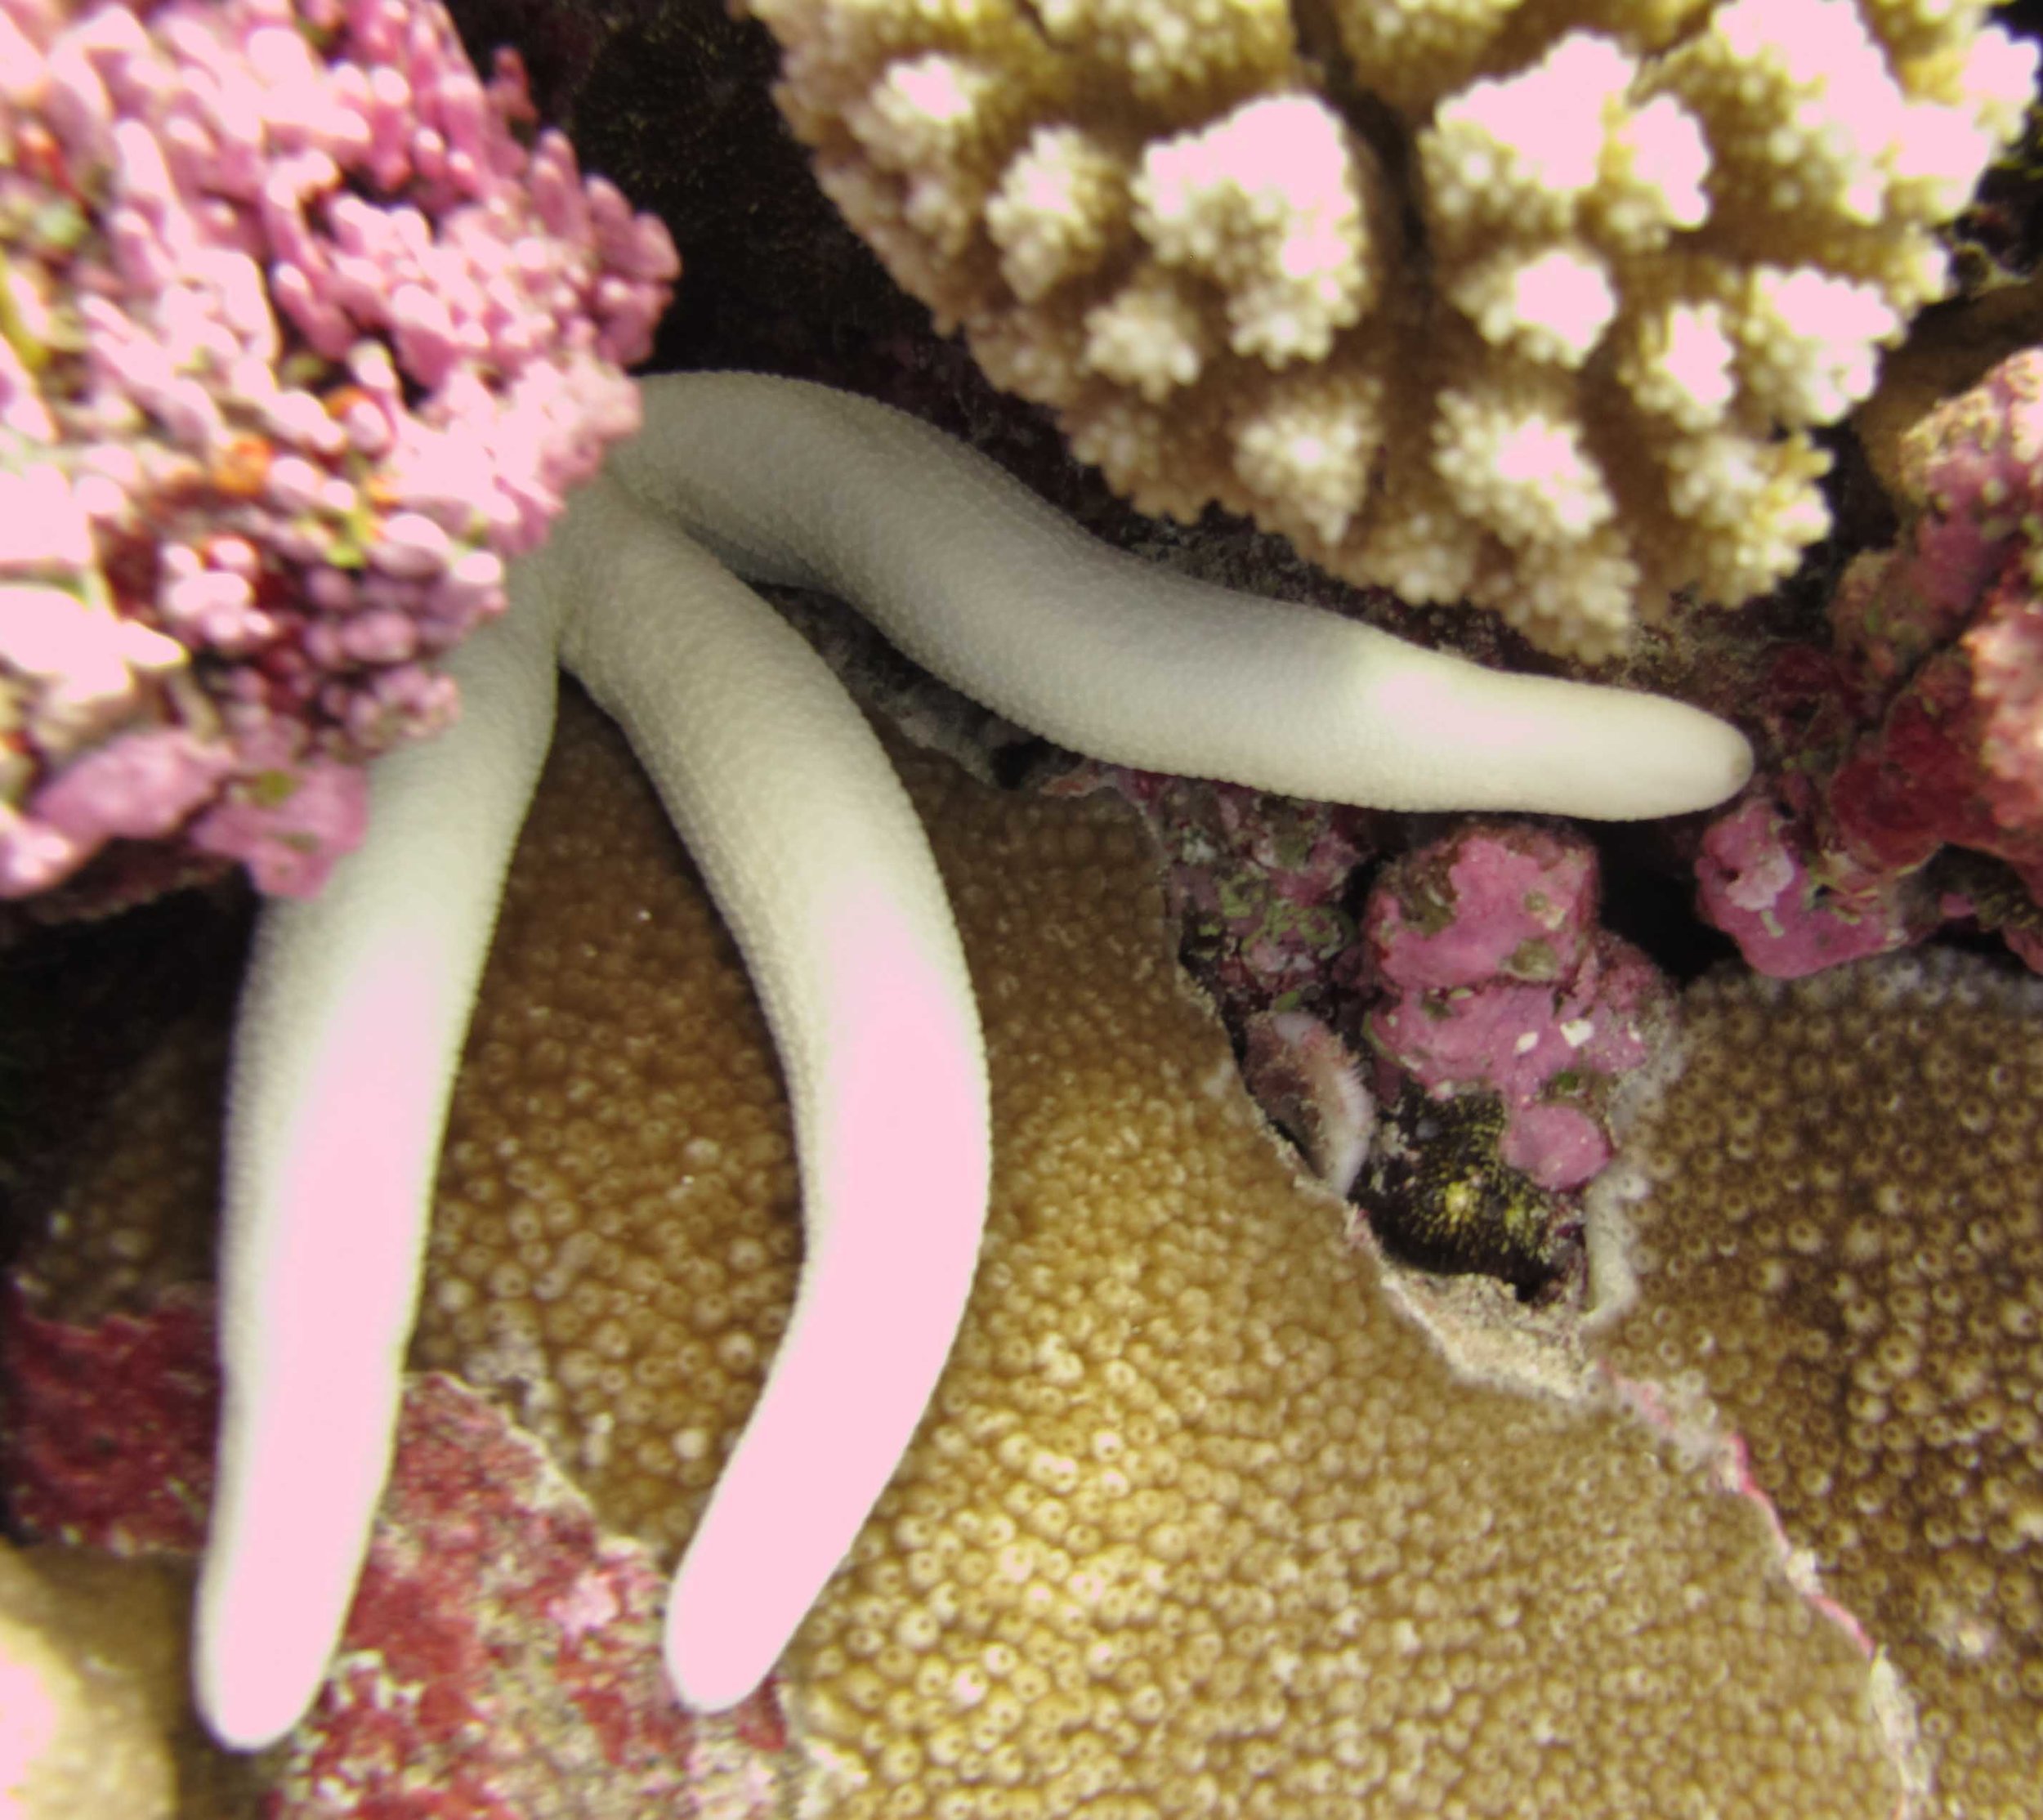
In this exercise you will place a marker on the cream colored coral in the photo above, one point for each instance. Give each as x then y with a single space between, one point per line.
1317 281
1264 206
91 1670
1843 1245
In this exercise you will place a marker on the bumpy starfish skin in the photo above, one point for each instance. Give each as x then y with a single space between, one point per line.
981 582
357 1005
352 1012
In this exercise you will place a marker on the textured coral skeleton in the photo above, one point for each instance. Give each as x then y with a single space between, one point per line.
1199 1521
1535 305
1861 1300
357 1002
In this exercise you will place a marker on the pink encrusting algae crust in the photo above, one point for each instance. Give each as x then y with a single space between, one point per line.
1947 631
299 341
502 1657
1921 729
1793 909
136 1480
1197 1523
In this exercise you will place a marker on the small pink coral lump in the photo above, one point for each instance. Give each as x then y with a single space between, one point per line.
1795 906
299 341
1499 979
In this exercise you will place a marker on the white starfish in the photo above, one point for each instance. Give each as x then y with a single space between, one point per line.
357 1005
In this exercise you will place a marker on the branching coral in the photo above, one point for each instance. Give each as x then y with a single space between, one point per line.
1842 1244
1533 304
298 341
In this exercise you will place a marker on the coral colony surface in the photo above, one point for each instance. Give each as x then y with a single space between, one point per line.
1199 1522
1861 1301
1563 1389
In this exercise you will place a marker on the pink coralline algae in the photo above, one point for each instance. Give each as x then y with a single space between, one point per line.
1496 979
1793 909
1256 882
109 1432
299 342
502 1658
1481 955
1921 730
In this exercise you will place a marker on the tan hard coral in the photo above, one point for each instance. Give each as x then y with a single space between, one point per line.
615 1240
1844 1244
1528 301
1197 1525
92 1674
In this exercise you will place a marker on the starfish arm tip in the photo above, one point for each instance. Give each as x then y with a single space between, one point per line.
349 1030
261 1643
1438 732
815 854
249 1709
1648 755
712 1671
980 581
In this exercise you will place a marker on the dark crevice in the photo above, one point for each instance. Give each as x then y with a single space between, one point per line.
1379 126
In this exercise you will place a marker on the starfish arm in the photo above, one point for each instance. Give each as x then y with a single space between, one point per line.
350 1025
815 857
981 582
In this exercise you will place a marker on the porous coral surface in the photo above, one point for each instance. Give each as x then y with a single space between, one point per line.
1197 1523
615 1241
1534 304
1843 1261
